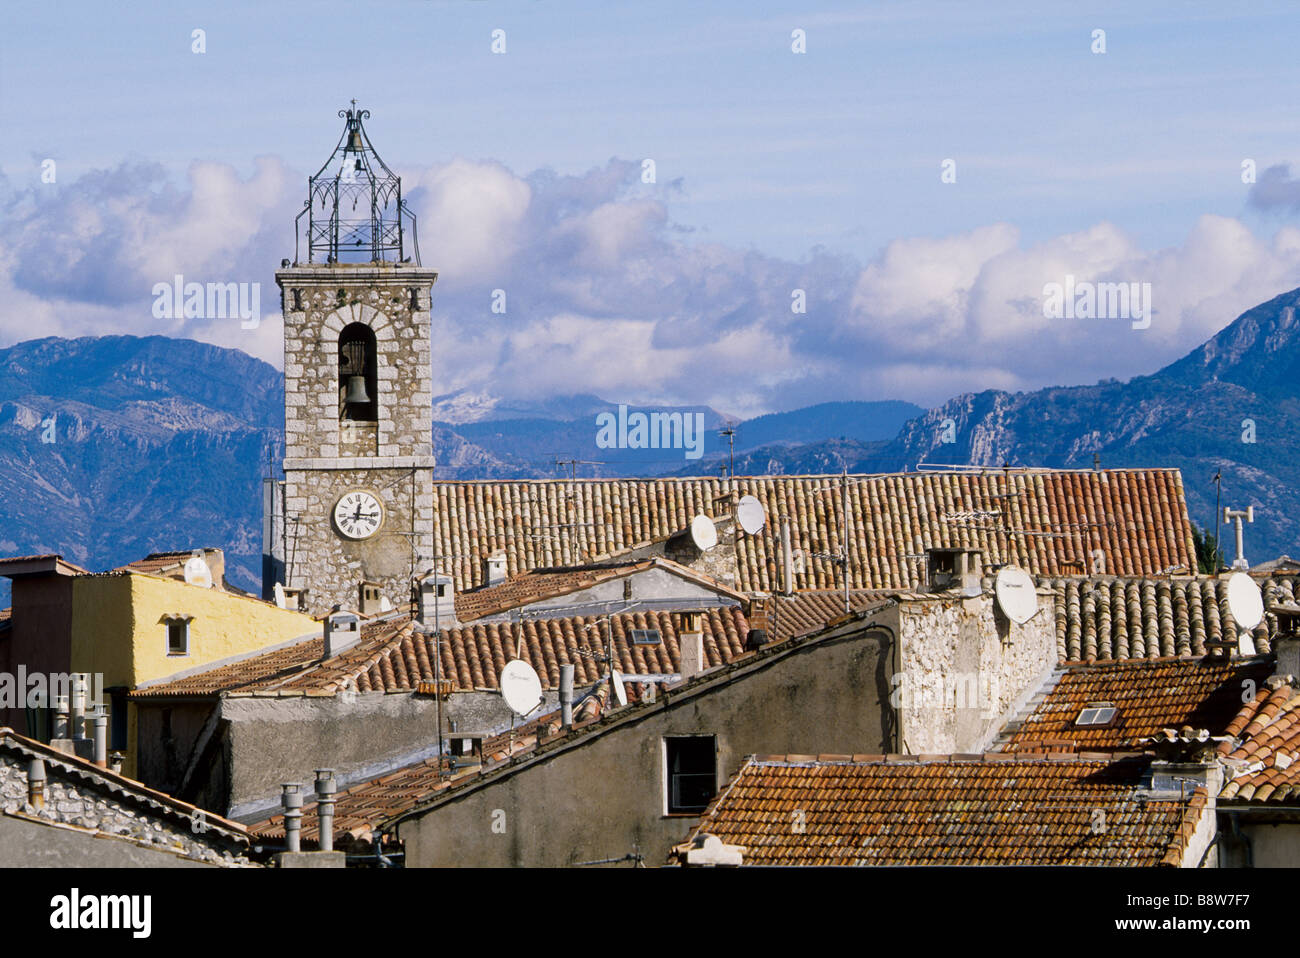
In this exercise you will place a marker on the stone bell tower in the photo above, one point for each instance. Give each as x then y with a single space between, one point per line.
354 511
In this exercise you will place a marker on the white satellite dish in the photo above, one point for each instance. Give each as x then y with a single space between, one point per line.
750 514
620 691
704 533
520 687
281 601
1245 601
1017 597
198 573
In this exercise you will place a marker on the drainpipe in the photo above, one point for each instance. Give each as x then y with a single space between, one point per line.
566 696
291 800
326 790
36 783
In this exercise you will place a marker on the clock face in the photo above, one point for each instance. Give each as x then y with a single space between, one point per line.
359 514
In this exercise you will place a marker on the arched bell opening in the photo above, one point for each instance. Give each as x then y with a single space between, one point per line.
358 375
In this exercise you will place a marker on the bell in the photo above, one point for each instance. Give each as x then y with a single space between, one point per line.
356 390
354 140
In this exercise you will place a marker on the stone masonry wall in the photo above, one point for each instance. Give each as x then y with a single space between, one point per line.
325 458
72 801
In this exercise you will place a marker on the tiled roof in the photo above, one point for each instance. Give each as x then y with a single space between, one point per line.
392 658
1150 696
123 788
539 584
1101 617
947 810
1264 752
1051 522
810 611
51 562
157 563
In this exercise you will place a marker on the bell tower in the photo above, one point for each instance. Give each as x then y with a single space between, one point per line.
355 508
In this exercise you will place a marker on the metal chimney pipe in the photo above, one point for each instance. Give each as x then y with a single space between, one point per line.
566 696
36 783
99 724
61 716
291 800
326 790
78 719
787 559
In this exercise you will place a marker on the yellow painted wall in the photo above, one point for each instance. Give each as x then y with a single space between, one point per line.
118 629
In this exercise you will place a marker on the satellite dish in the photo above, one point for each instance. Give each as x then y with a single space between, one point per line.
520 687
1245 601
384 604
281 601
620 692
198 573
750 514
704 533
1017 597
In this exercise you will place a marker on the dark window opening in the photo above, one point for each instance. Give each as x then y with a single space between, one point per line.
358 374
692 773
178 637
117 720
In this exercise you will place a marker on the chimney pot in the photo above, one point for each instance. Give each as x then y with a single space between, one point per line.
99 733
566 696
61 717
36 783
291 800
326 790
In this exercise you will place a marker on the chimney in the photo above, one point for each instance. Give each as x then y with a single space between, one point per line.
372 598
325 798
342 632
36 783
291 800
566 696
60 717
77 721
437 602
494 569
1286 640
691 642
216 560
758 623
115 763
99 725
787 559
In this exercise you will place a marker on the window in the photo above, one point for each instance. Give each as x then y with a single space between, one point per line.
692 773
178 635
117 719
1102 715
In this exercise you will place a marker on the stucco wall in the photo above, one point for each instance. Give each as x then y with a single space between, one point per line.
600 798
962 665
118 630
38 638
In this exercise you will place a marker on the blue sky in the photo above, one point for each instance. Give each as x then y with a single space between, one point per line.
774 169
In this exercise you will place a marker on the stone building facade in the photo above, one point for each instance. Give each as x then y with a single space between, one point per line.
387 452
83 816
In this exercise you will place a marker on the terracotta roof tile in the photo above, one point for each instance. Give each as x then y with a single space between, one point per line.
1136 518
1263 757
947 812
391 657
1100 618
1150 696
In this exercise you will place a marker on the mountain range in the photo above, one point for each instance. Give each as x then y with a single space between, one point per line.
112 447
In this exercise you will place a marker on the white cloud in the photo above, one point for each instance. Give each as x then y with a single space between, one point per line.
604 295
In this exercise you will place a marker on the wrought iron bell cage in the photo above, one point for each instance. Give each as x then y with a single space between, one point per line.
355 211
